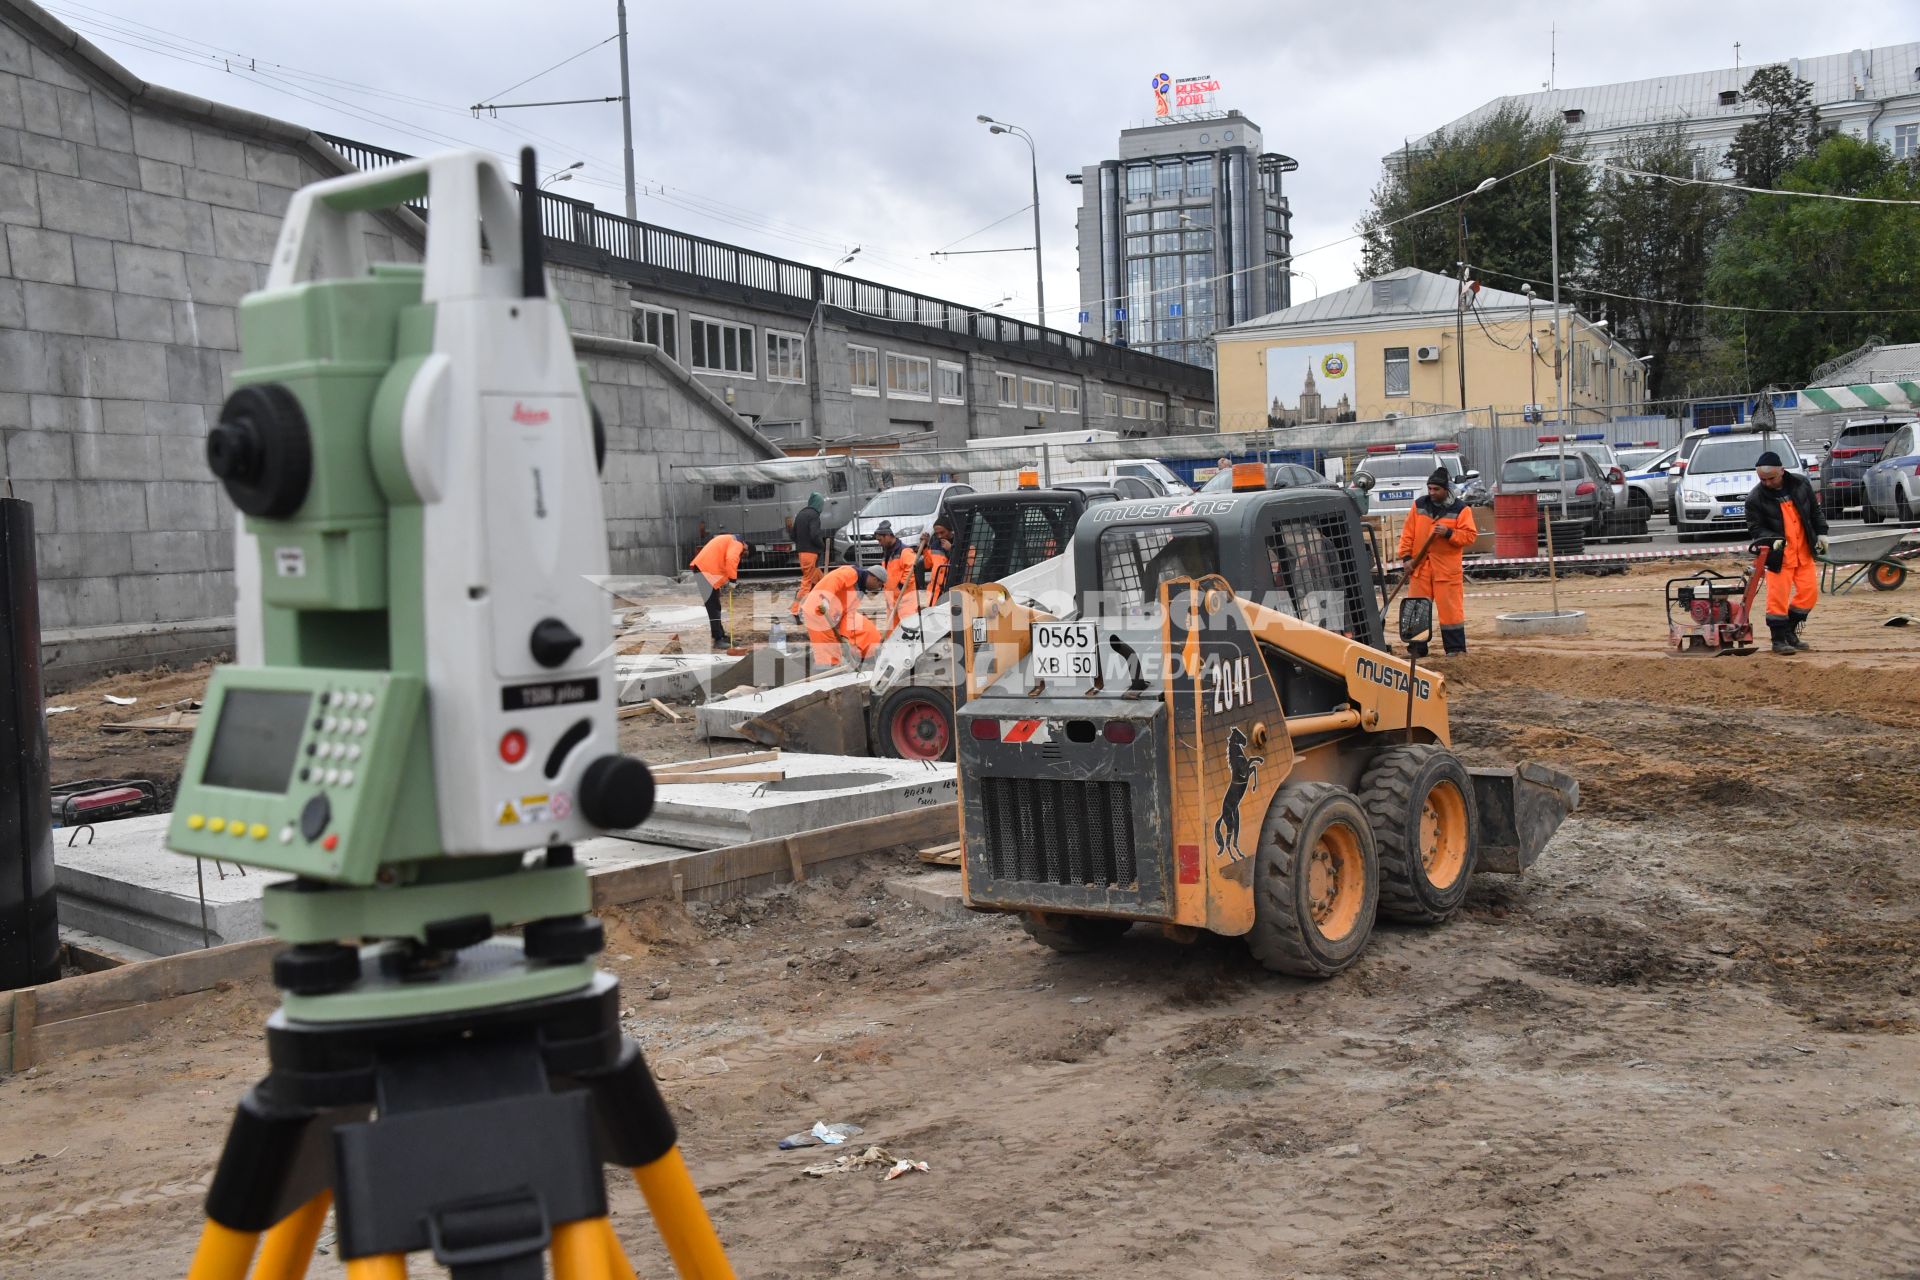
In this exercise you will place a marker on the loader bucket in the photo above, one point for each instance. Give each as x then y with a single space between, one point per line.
1520 809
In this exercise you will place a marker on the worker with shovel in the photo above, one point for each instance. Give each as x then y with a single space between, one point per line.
930 564
831 613
1438 531
896 562
718 564
1785 521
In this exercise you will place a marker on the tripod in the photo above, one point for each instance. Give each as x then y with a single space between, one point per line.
477 1134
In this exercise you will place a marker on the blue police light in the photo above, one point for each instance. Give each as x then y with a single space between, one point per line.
1591 435
1417 448
1719 431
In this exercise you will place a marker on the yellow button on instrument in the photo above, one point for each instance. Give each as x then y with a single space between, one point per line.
238 826
258 831
216 825
195 821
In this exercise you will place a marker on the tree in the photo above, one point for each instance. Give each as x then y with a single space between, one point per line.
1802 262
1785 131
1506 225
1646 259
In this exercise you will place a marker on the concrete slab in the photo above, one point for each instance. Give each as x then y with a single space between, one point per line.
935 891
818 791
668 675
127 886
722 717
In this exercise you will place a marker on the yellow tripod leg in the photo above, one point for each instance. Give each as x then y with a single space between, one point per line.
580 1250
619 1267
682 1219
288 1248
223 1253
382 1266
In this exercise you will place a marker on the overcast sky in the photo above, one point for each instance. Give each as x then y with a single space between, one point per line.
803 130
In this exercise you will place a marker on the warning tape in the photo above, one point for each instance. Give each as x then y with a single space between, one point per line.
1650 588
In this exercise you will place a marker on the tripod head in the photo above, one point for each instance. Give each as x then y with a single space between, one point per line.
425 691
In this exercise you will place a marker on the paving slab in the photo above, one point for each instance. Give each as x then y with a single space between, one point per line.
722 717
640 677
935 891
126 885
818 791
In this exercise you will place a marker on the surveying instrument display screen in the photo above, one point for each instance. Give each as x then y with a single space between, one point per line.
420 724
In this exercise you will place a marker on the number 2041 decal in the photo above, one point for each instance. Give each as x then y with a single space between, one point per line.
1230 682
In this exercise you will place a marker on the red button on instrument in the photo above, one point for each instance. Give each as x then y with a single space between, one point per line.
513 746
331 843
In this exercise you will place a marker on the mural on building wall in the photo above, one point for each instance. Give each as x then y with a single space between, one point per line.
1308 385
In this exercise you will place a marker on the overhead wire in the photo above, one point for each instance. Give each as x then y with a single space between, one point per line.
1683 180
555 67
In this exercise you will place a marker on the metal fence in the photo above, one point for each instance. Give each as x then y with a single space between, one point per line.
580 223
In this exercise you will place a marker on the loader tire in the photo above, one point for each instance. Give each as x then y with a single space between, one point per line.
1316 882
1073 934
1427 829
915 722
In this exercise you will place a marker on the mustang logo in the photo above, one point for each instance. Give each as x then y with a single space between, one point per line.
1244 769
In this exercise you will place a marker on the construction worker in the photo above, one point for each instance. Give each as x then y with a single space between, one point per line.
809 545
930 566
831 613
1784 520
718 564
1436 535
896 564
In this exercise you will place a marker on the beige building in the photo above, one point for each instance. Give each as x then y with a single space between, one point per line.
1388 347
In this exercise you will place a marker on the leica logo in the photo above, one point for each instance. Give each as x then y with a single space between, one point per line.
530 417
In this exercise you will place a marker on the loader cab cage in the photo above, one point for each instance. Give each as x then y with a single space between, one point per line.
997 534
1301 552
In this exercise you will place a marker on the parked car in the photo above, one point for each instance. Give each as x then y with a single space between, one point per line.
1564 481
1594 444
1720 474
1855 447
1113 488
1400 473
1647 476
909 508
1691 441
1635 457
1892 485
1280 475
1165 482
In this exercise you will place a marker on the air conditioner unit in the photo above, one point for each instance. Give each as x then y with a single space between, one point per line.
1599 357
1426 355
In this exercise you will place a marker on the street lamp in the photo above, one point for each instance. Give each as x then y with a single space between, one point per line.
1039 272
849 258
563 175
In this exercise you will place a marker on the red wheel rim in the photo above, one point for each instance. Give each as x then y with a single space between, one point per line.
919 731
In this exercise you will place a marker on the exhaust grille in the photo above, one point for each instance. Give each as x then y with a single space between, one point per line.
1052 832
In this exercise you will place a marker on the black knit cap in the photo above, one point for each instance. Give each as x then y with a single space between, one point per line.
1768 459
1441 476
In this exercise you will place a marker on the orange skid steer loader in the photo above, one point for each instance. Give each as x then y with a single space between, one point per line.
1218 739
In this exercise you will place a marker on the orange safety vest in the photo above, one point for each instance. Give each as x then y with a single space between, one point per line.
902 598
719 561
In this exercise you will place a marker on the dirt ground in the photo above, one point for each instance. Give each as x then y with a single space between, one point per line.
1686 1044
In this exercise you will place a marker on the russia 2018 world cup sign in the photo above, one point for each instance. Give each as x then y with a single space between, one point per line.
1185 94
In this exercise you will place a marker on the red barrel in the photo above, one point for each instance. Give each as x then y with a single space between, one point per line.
1516 525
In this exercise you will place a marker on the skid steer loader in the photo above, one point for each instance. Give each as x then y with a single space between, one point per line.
1219 739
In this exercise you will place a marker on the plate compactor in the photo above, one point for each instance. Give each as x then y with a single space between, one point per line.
1711 613
1218 740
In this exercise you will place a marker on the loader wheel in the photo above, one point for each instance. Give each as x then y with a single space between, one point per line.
1420 801
915 723
1316 882
1073 934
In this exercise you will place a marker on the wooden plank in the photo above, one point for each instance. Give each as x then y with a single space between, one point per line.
718 762
943 858
161 979
25 1052
665 710
718 776
111 1027
950 846
171 722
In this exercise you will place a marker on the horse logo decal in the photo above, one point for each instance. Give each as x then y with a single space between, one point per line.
1243 769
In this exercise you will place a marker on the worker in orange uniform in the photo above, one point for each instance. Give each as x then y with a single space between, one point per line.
1436 535
897 565
831 613
809 545
1785 521
718 564
936 553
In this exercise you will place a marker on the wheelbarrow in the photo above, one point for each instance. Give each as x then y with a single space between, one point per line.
1870 557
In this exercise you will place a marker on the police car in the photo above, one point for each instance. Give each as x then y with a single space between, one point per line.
1711 494
1400 473
1647 465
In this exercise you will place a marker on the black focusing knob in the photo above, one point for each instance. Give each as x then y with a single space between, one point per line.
262 451
564 938
316 968
553 642
616 792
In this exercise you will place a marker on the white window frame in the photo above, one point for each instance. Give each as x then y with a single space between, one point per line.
1008 389
1109 404
924 364
1207 420
871 355
794 357
1906 141
1036 393
668 326
1069 398
747 347
1156 411
1133 407
959 372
